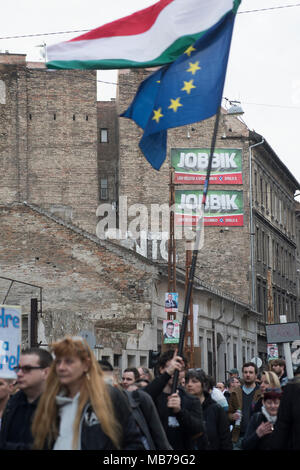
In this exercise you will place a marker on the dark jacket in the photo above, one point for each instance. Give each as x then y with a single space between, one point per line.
216 425
92 435
148 421
16 423
251 440
183 428
286 433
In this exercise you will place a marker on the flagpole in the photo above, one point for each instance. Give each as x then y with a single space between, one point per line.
195 251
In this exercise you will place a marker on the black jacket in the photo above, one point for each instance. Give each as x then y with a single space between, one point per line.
286 435
216 425
92 435
251 440
148 421
187 425
16 423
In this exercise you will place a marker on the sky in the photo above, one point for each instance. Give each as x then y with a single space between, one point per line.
263 71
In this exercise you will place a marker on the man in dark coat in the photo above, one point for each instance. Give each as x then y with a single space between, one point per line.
32 372
180 413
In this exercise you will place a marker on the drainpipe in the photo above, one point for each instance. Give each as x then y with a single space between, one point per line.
252 234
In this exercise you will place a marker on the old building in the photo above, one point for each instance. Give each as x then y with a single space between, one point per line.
298 260
68 162
252 260
48 141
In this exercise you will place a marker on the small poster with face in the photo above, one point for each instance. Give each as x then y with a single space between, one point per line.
171 331
272 351
171 302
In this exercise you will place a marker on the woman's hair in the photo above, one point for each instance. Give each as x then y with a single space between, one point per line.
200 375
272 379
93 390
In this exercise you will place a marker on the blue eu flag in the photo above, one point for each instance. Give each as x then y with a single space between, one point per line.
187 91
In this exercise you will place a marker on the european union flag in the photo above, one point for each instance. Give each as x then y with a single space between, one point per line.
187 91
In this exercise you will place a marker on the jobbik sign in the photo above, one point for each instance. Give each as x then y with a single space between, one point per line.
10 339
190 165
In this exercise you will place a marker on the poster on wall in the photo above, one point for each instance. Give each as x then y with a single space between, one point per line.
171 331
10 340
171 302
191 164
272 350
222 208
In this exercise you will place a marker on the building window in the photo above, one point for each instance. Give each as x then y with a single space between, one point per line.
103 136
103 189
209 357
117 360
131 360
258 247
255 186
235 355
258 297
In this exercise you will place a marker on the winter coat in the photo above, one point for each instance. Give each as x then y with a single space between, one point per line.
251 440
17 418
147 419
236 403
91 435
286 433
216 425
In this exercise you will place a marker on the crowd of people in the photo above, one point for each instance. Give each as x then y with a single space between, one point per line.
64 399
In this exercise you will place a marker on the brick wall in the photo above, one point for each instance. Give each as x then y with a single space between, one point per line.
48 141
86 283
224 261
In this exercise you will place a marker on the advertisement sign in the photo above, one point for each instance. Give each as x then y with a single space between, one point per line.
10 340
191 164
272 350
171 302
282 332
171 331
222 208
295 351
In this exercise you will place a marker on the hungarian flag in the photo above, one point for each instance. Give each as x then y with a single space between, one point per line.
152 37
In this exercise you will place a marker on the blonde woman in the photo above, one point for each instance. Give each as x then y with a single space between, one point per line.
268 380
78 410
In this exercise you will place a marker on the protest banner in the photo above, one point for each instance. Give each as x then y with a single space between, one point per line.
10 340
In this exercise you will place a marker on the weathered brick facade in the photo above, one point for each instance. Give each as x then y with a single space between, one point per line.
48 142
224 261
53 158
86 283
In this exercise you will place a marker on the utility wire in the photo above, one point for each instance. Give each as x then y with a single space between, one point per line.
267 9
86 30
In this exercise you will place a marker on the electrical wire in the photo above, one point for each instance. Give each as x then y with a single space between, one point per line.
86 30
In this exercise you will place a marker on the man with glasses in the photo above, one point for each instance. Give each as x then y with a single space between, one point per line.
32 373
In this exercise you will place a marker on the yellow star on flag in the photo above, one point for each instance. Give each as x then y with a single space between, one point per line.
189 50
157 115
175 104
194 67
188 86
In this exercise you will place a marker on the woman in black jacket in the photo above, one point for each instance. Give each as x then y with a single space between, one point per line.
258 435
215 418
78 410
286 434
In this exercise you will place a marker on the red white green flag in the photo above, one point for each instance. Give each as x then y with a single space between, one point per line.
151 37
